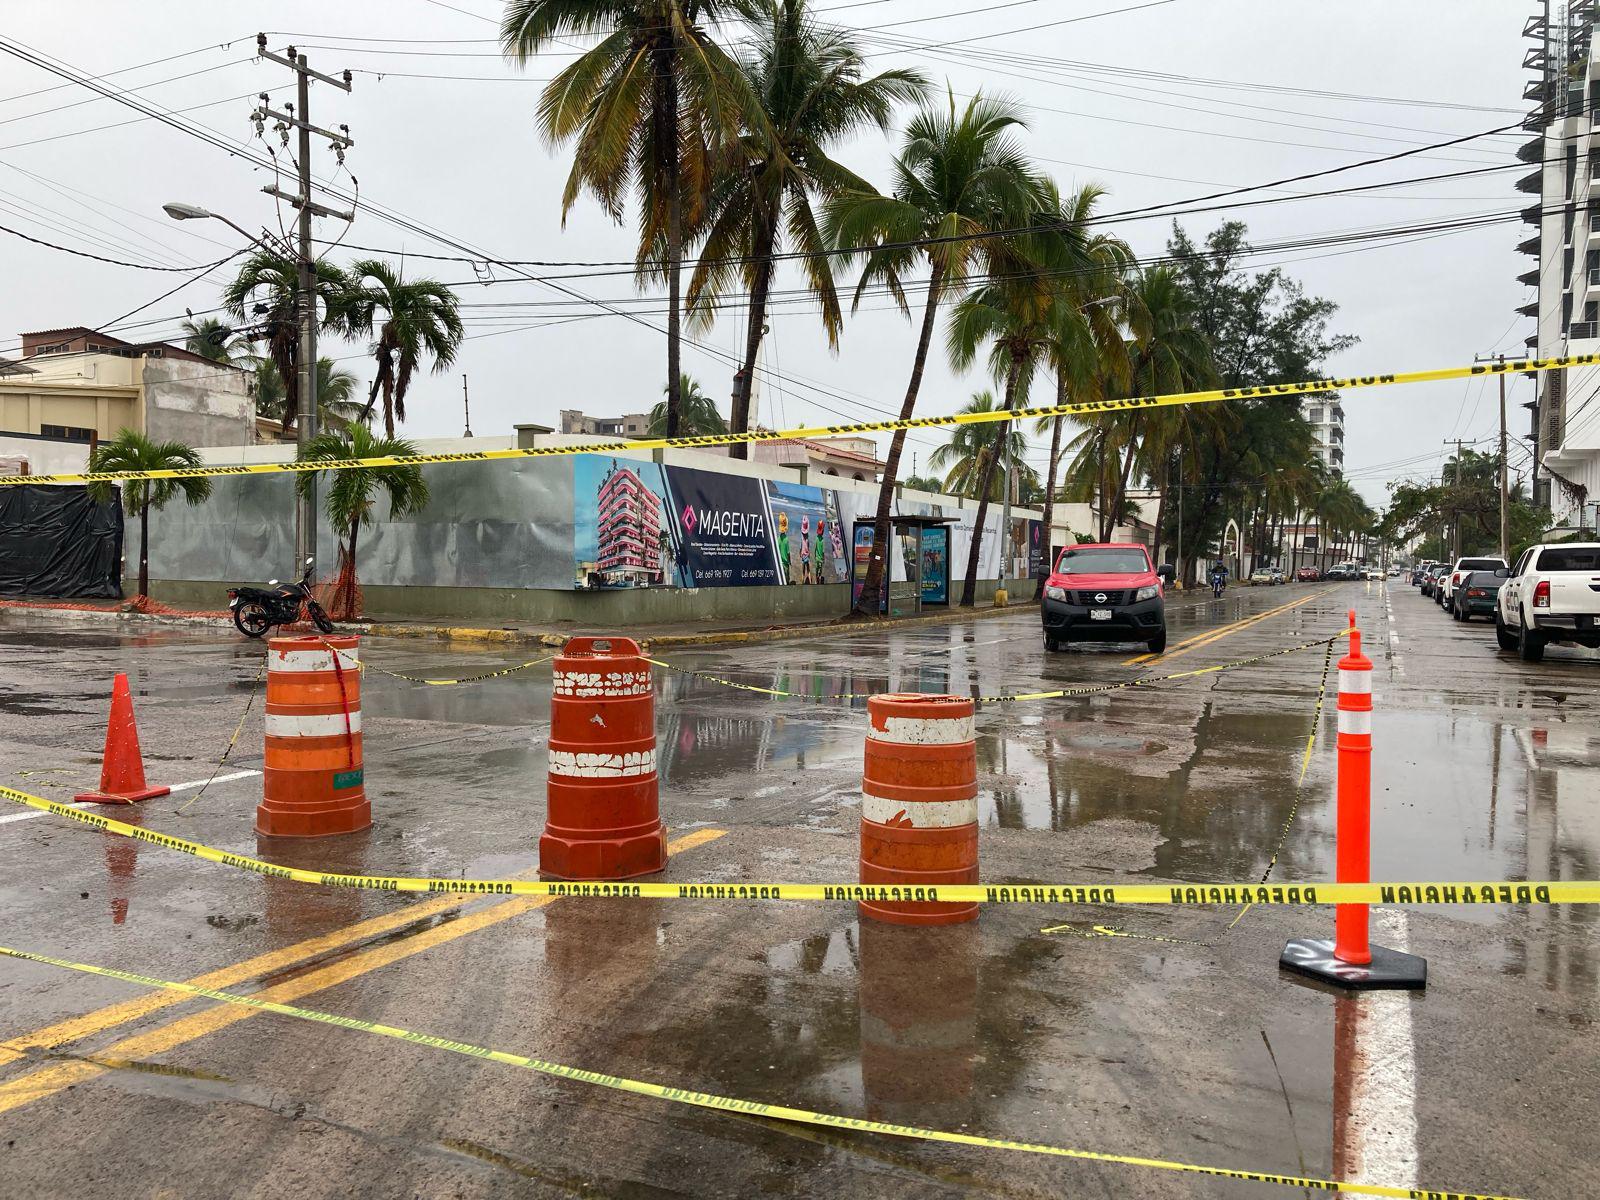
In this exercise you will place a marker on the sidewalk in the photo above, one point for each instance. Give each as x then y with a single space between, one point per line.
441 628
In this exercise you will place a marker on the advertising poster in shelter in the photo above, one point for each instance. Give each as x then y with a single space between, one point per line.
807 539
622 536
935 565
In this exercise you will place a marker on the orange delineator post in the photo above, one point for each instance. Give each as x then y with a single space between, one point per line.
313 777
1349 959
122 765
603 809
919 806
1353 850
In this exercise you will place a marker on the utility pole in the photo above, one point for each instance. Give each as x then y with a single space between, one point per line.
1505 489
466 409
1453 550
298 117
1005 510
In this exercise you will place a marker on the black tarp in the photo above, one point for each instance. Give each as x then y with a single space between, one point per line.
55 541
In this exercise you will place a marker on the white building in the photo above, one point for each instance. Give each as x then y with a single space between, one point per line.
1326 415
1564 152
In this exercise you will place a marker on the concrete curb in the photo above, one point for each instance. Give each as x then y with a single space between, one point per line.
541 637
109 616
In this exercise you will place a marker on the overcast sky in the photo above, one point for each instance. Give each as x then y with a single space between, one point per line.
445 135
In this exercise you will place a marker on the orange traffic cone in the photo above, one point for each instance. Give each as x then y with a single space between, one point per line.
122 768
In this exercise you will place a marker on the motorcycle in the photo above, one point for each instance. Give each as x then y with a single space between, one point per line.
1219 583
257 610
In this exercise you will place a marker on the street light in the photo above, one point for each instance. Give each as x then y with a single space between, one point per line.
305 509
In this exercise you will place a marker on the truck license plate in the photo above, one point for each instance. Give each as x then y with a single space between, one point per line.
1099 614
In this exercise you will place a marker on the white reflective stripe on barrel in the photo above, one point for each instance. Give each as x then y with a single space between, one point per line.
584 765
1355 681
1356 721
919 814
314 725
923 731
311 660
584 684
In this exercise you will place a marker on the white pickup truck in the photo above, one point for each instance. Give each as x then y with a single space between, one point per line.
1553 595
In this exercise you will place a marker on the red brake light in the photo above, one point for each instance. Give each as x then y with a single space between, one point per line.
1541 594
1455 577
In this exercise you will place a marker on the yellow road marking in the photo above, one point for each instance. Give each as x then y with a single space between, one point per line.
1209 636
49 1080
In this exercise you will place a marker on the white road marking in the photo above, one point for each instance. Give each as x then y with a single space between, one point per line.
183 787
177 787
1383 1095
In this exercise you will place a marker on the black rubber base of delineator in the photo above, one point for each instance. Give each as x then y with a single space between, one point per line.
1313 958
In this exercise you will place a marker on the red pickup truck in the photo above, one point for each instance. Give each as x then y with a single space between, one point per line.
1104 592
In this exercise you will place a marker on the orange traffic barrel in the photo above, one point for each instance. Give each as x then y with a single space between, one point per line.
919 803
602 812
313 783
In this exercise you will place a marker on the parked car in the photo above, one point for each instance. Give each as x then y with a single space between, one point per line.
1430 578
1417 572
1461 568
1262 575
1552 595
1476 594
1308 575
1104 592
1278 576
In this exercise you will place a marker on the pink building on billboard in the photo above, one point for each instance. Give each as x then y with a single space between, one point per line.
629 531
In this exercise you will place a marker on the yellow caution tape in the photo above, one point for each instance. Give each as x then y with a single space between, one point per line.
1093 690
760 691
532 662
1075 409
757 1108
1296 894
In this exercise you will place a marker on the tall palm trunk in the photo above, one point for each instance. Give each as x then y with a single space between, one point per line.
1163 485
144 545
344 595
1047 558
1127 467
666 85
1108 516
872 584
744 382
969 587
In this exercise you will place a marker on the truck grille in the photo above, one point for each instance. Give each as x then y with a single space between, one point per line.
1101 596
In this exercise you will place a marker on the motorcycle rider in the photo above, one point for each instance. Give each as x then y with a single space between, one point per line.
1219 577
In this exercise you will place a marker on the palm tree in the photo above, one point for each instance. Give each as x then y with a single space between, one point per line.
1029 315
213 338
1169 354
698 414
421 317
967 457
807 81
647 106
131 451
352 495
272 282
337 405
959 180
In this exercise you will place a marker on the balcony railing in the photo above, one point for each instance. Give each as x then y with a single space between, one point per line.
1583 330
1594 277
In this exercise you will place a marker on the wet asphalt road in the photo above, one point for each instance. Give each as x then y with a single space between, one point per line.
1192 1048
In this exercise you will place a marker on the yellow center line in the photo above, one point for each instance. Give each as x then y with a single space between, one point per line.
47 1081
1216 635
